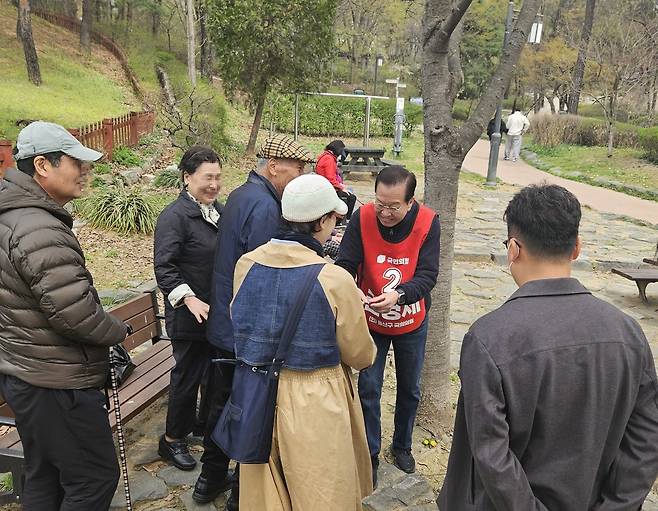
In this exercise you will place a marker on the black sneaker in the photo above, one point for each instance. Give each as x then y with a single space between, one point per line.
176 452
233 502
207 490
375 466
404 460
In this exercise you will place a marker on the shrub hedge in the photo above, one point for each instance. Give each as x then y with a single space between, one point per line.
649 142
336 116
552 130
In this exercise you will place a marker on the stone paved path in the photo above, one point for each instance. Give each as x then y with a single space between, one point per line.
602 199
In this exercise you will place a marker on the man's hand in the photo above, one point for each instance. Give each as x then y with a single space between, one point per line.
363 297
197 307
385 301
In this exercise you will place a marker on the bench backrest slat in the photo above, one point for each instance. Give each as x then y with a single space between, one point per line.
134 306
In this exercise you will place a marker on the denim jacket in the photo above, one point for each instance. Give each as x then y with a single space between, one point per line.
332 328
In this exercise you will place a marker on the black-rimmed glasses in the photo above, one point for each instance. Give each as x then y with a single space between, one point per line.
506 242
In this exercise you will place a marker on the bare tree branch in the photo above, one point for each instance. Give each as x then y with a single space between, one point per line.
439 34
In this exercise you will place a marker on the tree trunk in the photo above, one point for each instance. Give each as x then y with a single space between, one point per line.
98 7
611 138
258 117
155 17
558 17
579 69
191 43
353 62
129 13
85 26
204 43
445 150
31 58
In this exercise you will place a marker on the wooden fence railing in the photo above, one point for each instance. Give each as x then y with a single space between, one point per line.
103 136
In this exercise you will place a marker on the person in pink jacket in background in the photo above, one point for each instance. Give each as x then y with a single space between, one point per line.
327 166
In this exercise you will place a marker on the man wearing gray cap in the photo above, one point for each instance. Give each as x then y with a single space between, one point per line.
54 334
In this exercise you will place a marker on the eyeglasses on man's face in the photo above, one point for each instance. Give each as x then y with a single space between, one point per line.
394 208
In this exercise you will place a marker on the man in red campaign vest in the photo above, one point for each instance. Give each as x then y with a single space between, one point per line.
391 247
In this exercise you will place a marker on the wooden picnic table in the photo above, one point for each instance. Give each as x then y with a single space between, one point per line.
642 278
364 159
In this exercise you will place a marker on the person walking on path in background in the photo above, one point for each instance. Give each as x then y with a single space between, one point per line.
492 126
54 334
251 217
327 166
558 408
517 125
391 247
319 457
184 252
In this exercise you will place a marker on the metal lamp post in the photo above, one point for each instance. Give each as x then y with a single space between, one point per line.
378 63
494 149
399 115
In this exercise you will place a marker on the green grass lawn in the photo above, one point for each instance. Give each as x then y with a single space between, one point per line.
74 91
626 165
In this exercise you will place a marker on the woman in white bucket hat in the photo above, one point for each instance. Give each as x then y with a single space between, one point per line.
319 458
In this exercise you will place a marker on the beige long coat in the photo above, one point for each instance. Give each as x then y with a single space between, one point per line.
320 459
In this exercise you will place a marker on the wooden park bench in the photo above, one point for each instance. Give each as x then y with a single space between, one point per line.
148 381
642 278
364 159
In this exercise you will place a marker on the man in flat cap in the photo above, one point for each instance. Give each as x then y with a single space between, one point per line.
54 334
251 218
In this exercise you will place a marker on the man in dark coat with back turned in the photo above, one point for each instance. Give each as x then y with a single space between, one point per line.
558 408
54 334
251 218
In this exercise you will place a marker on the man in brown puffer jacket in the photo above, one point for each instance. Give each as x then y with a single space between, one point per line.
54 334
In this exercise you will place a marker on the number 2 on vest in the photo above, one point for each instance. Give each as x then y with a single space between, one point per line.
394 277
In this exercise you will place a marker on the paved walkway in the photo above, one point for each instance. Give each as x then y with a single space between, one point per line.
601 199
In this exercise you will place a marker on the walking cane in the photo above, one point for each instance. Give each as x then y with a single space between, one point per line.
122 440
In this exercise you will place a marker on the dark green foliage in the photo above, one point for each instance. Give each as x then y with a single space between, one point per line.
121 210
278 44
167 179
126 157
6 482
97 182
481 45
649 142
461 110
340 117
101 168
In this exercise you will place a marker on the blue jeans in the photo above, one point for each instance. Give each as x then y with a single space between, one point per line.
409 352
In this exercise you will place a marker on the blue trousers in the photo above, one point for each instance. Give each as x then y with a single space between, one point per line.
409 352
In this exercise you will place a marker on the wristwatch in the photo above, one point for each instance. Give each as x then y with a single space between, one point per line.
402 296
